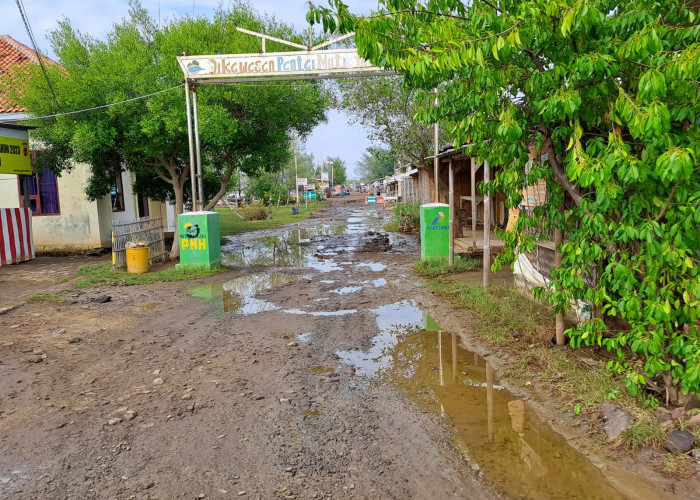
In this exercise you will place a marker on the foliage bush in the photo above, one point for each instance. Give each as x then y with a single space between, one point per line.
609 91
253 211
407 214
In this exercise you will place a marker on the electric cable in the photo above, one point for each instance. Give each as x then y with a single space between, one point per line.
25 19
96 107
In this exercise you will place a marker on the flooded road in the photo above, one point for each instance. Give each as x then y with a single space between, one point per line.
317 367
494 431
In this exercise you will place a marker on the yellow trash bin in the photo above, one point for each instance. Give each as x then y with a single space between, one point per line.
137 260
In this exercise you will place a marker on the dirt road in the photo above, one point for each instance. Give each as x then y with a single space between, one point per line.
288 377
159 393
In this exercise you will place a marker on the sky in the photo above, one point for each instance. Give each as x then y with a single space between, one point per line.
96 17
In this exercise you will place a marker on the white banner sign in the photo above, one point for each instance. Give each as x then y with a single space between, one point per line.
319 62
301 181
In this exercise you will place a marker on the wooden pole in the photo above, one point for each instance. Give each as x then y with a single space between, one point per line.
473 193
436 147
487 227
451 202
559 317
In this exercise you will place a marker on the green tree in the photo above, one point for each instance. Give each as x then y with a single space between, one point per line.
610 90
336 166
387 108
376 163
241 127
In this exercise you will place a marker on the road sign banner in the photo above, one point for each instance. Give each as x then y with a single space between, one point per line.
310 187
310 195
301 181
324 176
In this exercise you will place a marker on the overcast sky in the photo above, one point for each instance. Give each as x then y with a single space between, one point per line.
96 17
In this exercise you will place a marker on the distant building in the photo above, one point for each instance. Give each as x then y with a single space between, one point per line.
63 218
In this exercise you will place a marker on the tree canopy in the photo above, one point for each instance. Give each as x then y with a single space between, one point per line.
376 163
244 127
610 90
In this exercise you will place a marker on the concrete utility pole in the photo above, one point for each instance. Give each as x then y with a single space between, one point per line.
296 175
198 149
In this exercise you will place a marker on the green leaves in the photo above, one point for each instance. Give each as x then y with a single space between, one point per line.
614 92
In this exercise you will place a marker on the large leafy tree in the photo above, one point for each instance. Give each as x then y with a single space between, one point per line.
376 163
387 109
610 90
244 127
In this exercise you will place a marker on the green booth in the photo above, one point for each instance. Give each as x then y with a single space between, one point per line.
199 236
434 230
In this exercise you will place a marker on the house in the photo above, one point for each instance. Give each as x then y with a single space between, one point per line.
63 219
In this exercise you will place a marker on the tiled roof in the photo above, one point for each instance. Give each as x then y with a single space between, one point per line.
13 54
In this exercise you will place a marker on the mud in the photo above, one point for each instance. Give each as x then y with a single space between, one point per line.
317 367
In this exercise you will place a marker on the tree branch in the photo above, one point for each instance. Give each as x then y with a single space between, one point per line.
560 175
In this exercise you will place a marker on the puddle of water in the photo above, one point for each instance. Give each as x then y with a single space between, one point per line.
373 266
304 337
391 319
327 282
238 295
518 454
346 290
379 283
342 312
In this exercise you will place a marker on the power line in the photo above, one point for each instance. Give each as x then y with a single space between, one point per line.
98 107
25 19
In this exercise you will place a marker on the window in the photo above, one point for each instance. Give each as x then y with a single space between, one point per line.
117 192
42 190
142 202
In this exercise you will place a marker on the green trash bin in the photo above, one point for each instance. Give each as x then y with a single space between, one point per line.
434 230
199 236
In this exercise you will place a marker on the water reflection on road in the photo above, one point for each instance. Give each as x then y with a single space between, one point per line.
520 455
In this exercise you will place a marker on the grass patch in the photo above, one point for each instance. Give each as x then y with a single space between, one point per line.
678 465
505 317
45 297
432 267
646 431
392 227
230 223
502 313
103 275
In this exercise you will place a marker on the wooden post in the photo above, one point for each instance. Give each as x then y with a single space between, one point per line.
436 161
451 202
487 228
489 400
473 193
559 317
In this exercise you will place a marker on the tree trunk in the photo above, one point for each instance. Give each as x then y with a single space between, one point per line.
225 179
179 206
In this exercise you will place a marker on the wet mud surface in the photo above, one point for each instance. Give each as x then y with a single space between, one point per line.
313 369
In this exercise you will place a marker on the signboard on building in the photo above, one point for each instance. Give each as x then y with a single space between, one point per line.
14 151
279 64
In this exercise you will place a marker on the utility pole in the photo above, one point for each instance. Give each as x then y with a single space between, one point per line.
296 174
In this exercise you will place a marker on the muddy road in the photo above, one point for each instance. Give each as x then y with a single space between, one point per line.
315 368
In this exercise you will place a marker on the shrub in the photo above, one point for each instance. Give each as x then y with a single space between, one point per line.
254 211
407 214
